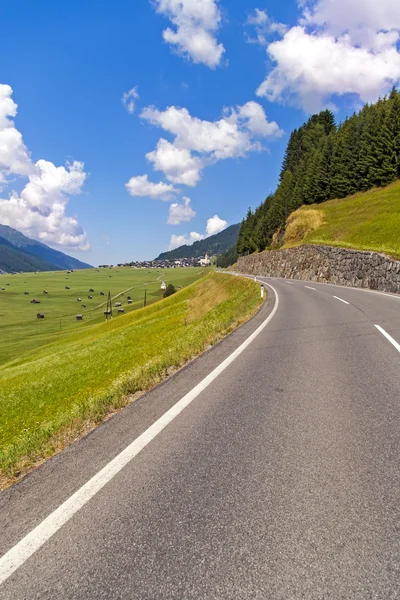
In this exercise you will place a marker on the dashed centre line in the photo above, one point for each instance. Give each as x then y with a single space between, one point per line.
310 288
388 337
341 300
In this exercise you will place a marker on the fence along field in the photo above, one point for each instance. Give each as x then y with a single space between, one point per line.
22 332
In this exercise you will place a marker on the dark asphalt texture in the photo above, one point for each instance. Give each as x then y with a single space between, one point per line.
280 481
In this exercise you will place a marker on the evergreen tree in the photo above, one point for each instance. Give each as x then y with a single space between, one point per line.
323 161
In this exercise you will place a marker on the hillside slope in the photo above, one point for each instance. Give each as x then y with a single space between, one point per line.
215 244
13 260
53 258
70 382
365 221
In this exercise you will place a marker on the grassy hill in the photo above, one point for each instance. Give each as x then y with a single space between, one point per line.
365 221
53 259
22 332
215 244
64 388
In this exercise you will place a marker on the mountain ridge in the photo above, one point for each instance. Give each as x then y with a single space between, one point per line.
214 244
20 253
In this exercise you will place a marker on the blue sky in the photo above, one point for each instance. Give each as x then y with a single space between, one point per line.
69 64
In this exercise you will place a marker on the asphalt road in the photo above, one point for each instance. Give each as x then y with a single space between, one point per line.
280 480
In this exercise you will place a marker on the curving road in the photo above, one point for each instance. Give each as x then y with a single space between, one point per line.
277 478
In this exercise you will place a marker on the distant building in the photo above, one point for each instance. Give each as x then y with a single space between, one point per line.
204 262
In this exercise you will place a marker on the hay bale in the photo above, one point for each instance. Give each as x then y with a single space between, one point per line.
101 293
26 293
79 299
90 297
121 310
67 287
118 304
79 317
40 316
130 301
91 290
45 292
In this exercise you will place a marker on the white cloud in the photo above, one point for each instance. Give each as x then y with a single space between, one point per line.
129 100
180 213
198 143
338 48
350 15
181 240
178 164
264 27
141 186
14 155
215 225
196 24
39 210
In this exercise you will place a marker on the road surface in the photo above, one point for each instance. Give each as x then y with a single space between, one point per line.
277 478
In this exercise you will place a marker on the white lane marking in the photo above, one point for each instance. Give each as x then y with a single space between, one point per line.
291 282
341 300
388 337
16 556
347 288
310 288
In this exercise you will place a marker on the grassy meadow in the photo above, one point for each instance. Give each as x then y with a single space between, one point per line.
365 221
22 332
51 395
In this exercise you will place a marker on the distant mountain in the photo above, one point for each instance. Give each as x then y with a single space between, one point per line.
52 259
215 244
12 259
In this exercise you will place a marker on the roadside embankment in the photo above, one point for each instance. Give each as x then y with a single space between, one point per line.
62 391
326 264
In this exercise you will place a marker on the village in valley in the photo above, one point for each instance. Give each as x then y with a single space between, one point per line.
203 261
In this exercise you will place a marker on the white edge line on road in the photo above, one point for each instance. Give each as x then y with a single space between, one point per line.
388 337
341 300
310 288
25 548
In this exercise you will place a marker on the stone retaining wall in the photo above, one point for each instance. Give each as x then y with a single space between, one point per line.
326 264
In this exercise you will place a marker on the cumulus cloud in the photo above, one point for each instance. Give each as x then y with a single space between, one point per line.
215 225
180 213
178 164
129 100
195 27
349 15
14 155
264 27
198 143
338 48
39 210
181 240
141 186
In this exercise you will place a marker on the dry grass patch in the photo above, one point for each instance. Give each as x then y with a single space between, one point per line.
300 224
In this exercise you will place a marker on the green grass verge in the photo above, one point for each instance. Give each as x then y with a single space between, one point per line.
365 221
50 397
